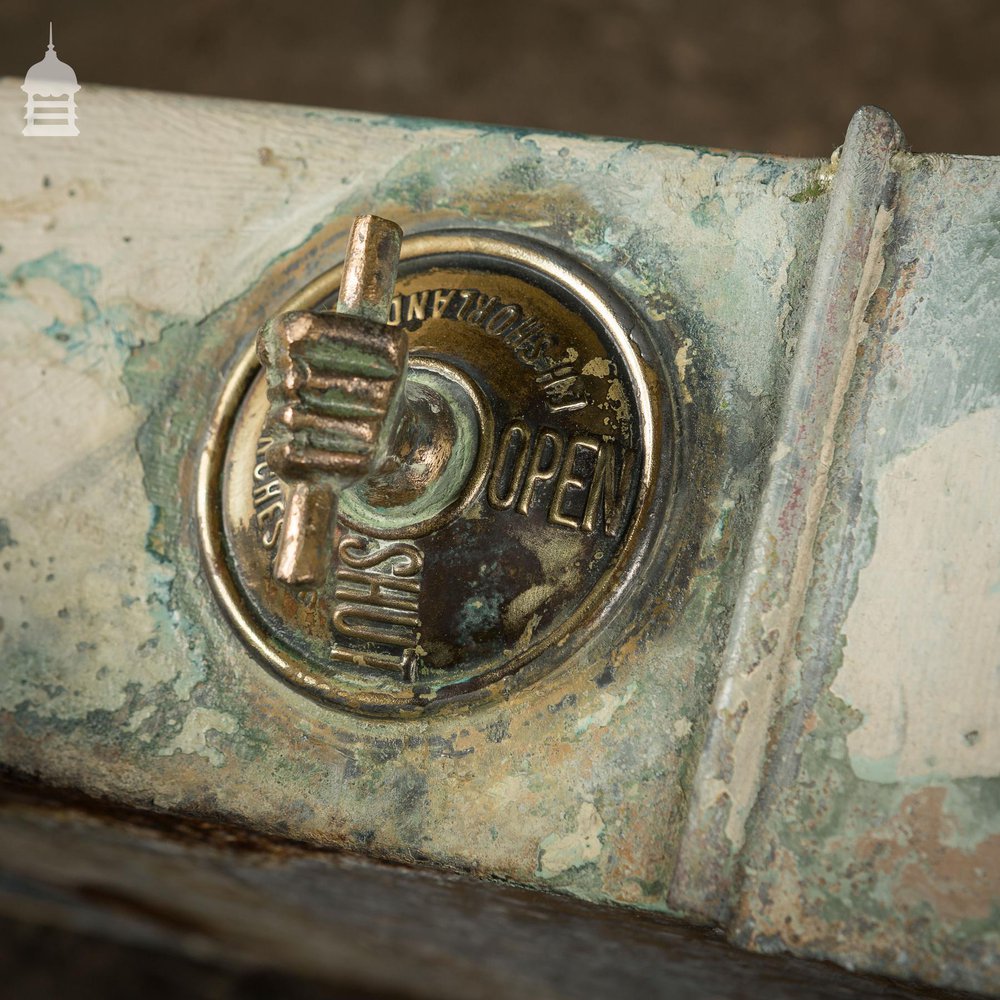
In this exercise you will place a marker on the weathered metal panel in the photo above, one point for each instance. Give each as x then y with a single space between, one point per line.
857 296
879 836
857 815
756 669
122 679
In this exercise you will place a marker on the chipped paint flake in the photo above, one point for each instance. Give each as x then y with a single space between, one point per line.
610 703
683 360
682 728
193 735
560 853
600 367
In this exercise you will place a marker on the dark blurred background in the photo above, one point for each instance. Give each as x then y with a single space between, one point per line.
780 76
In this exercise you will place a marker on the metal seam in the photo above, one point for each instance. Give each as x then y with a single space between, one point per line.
758 662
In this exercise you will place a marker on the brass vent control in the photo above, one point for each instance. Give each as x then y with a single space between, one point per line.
436 487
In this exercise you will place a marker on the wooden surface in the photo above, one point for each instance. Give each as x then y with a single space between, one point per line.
245 914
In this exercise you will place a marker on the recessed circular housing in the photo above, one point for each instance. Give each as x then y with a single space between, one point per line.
534 531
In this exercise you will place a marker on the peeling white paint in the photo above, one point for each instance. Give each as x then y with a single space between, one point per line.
922 659
747 706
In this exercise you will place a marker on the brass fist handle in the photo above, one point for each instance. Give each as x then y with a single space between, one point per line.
334 383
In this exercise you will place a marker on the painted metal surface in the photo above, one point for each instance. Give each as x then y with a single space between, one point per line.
858 815
815 770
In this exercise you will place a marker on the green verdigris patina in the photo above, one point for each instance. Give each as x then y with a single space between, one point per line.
881 830
578 782
849 801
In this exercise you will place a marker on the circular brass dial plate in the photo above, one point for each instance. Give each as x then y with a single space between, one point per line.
563 428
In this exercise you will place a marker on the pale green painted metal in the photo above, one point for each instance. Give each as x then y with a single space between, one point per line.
826 324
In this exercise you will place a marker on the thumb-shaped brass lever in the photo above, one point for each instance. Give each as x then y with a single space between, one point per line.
335 384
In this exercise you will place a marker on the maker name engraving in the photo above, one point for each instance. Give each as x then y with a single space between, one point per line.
532 342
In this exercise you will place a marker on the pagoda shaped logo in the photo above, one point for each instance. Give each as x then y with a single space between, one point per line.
51 88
